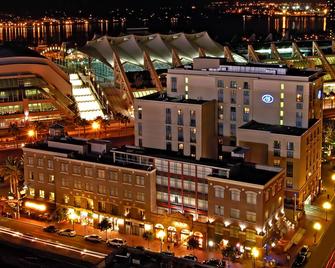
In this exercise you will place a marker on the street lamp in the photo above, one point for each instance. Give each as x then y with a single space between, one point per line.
161 235
95 126
31 133
333 177
72 217
326 206
317 227
255 254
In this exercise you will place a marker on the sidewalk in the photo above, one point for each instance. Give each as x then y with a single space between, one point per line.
132 240
307 222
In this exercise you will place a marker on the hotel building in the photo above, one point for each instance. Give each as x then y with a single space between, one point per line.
272 111
143 189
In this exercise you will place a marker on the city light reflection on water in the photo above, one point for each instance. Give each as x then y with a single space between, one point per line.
56 32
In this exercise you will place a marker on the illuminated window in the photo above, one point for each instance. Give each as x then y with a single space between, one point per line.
50 164
235 195
219 210
234 213
52 196
140 180
186 88
282 95
282 104
219 192
282 86
276 162
251 216
251 198
140 196
186 80
281 122
32 192
281 113
66 199
51 178
42 194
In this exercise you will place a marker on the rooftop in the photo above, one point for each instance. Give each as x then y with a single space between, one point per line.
8 50
163 97
252 68
234 169
277 129
238 169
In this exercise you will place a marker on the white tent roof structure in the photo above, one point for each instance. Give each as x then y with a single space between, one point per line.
159 47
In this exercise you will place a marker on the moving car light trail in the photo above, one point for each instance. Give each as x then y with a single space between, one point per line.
7 231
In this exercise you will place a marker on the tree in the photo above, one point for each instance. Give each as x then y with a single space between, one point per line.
228 252
60 214
14 131
104 123
149 236
38 127
82 122
193 243
13 172
104 225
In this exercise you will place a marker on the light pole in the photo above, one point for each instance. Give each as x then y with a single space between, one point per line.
326 206
72 217
161 235
255 254
317 227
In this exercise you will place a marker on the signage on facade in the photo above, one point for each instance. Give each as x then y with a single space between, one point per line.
180 225
267 98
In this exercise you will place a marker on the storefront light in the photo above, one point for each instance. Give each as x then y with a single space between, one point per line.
120 221
83 214
95 216
242 226
39 207
226 223
70 211
210 243
147 227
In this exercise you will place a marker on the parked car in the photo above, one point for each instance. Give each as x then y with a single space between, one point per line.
67 232
304 250
50 229
167 253
116 242
93 238
215 263
299 261
191 257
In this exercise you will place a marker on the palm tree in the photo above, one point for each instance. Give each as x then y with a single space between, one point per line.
82 122
104 123
13 172
14 131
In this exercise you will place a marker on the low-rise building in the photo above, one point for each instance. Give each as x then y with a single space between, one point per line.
151 190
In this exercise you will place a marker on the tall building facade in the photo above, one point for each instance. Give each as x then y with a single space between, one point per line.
273 111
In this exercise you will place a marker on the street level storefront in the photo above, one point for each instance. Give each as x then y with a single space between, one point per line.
248 236
178 228
119 224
